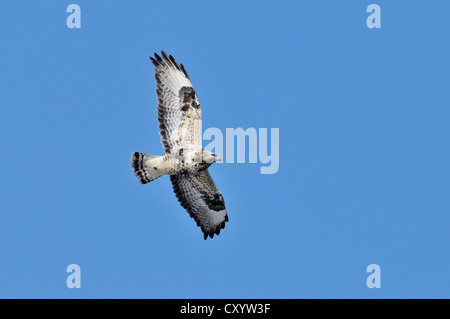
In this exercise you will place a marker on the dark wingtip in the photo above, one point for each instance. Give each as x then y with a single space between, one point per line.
216 231
184 70
165 57
167 60
157 60
211 233
154 62
174 62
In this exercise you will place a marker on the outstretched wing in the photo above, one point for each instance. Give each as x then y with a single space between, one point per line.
198 194
179 112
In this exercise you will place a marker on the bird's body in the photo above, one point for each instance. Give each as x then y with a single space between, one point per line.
179 116
150 167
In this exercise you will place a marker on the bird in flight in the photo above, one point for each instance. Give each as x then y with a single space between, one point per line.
179 117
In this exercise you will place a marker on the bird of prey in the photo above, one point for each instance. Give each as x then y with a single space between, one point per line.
184 159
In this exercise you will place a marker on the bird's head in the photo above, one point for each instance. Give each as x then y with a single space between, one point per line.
210 157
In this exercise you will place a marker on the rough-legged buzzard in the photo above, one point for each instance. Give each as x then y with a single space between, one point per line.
184 159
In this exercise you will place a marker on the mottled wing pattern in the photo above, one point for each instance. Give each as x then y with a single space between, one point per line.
198 194
179 112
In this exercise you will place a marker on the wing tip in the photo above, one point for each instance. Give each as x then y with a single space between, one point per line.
167 60
184 71
215 231
210 234
157 61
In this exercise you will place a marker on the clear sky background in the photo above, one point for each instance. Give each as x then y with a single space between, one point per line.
364 172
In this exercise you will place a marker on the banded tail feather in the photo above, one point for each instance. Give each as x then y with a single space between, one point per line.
146 167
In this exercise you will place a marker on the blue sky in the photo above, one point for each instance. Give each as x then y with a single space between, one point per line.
364 174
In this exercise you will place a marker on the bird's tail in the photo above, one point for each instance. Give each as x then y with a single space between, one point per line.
146 167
